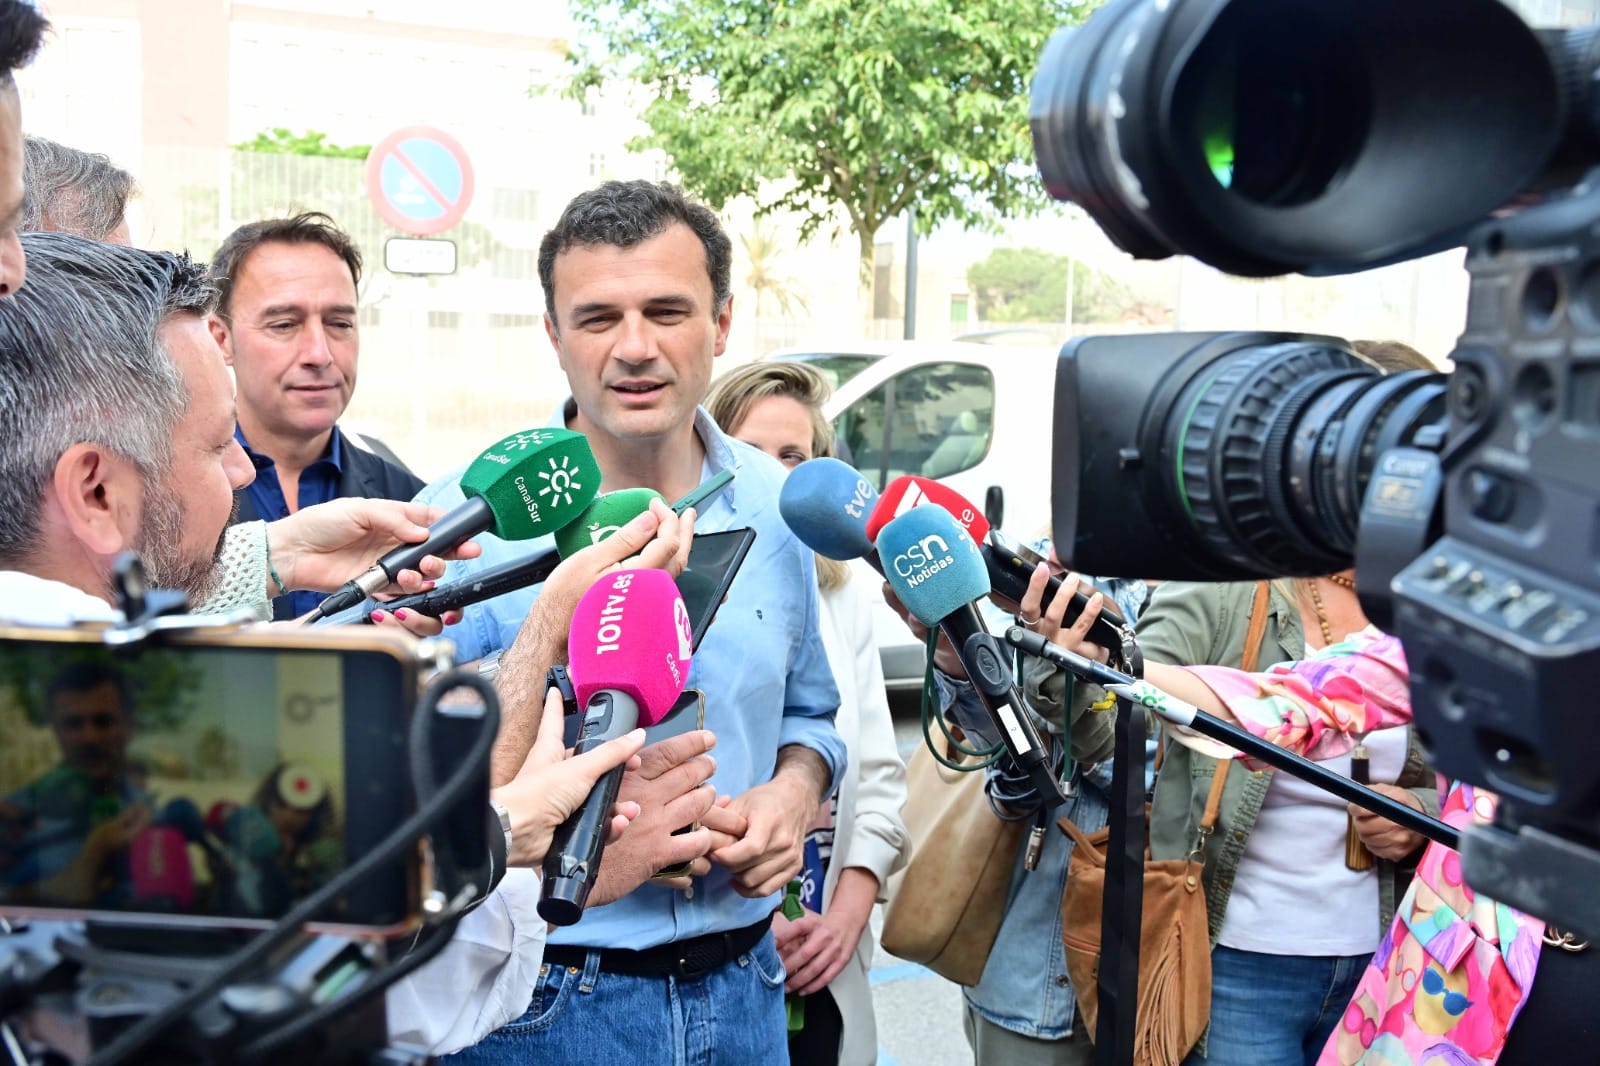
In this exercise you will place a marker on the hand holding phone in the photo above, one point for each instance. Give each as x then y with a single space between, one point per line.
671 790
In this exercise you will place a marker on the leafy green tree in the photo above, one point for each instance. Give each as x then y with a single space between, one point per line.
866 107
1030 285
282 141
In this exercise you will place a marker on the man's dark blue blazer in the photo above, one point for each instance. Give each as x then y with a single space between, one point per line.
362 474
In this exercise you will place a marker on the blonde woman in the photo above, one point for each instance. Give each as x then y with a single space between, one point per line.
860 839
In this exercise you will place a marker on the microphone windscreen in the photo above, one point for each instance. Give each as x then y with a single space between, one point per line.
182 815
630 633
603 517
932 563
159 868
250 832
534 482
825 503
904 493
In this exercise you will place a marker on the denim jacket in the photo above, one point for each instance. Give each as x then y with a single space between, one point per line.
1025 987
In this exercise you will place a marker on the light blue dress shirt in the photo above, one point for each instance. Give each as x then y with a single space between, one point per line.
761 666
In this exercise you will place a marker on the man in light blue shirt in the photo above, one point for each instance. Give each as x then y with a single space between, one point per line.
636 282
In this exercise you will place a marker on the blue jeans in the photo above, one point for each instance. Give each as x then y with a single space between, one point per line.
731 1016
1275 1010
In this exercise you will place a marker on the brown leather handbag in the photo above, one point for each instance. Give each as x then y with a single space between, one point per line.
1174 938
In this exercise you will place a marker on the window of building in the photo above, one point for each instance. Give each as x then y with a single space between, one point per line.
444 319
520 204
514 263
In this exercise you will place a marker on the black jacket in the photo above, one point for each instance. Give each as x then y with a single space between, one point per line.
362 474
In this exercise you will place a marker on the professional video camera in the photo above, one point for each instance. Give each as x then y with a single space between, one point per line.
235 824
1270 136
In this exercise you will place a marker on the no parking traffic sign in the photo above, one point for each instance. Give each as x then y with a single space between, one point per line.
420 181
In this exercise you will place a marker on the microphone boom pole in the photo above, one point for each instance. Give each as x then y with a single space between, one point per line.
1188 716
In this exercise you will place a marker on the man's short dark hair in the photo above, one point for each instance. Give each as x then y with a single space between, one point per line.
22 29
71 191
622 214
308 227
86 675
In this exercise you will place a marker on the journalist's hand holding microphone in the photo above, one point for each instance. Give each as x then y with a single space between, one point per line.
318 547
655 539
551 784
1049 621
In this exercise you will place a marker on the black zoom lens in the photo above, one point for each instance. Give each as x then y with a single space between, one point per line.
1269 136
1249 458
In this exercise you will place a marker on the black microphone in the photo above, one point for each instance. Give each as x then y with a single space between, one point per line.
937 571
525 486
495 581
1011 567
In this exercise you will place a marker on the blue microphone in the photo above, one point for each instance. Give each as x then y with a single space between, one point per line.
826 504
938 571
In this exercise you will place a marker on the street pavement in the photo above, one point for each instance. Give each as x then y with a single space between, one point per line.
919 1012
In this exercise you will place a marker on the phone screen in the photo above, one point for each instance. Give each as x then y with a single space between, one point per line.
210 782
714 559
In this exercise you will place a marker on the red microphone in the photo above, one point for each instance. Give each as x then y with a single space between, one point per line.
904 493
628 656
1010 565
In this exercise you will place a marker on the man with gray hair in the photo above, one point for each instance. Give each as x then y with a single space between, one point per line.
119 417
66 190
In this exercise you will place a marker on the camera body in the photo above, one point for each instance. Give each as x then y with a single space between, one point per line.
1500 618
1269 136
205 776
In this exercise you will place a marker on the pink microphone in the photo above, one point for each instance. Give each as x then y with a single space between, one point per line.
159 867
628 656
904 493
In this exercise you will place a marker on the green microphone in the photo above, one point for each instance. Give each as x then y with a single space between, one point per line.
603 517
528 485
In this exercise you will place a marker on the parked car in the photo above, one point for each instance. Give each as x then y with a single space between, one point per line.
974 416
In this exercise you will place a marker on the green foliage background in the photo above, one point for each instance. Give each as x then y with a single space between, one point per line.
868 107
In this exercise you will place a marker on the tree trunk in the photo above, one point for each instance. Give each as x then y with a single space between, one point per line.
867 302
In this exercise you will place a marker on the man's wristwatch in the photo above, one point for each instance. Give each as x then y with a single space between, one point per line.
503 846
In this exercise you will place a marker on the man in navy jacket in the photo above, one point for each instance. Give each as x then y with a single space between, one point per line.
286 320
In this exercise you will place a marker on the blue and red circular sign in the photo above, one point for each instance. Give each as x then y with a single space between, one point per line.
420 181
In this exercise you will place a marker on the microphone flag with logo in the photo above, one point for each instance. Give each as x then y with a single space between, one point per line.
628 656
1009 572
528 485
825 503
905 493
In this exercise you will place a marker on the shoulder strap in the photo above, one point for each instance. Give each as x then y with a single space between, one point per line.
1252 653
1257 628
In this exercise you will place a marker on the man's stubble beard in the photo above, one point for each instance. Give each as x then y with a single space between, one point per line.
160 546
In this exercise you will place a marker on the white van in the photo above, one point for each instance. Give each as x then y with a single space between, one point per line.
974 416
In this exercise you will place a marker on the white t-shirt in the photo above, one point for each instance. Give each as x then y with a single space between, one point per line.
1293 893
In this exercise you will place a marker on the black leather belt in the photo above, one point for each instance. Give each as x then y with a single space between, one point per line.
693 957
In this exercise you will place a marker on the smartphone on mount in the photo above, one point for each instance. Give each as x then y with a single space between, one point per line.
211 777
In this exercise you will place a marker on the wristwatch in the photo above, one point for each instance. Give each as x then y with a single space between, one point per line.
504 817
